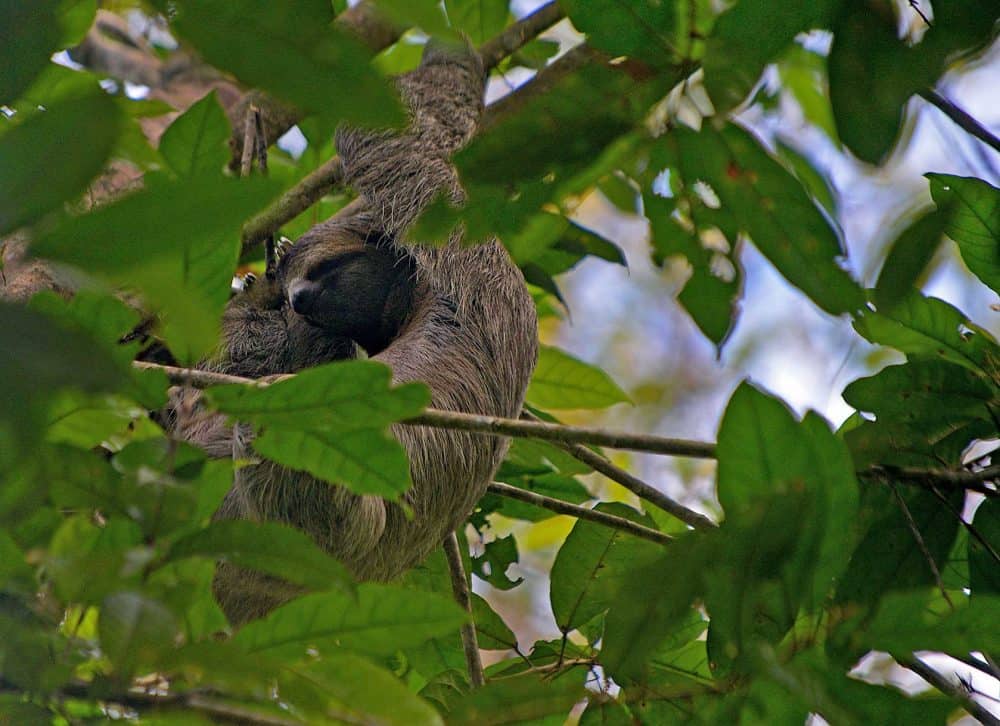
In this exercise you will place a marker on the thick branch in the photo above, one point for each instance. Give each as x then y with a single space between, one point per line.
635 485
520 33
940 682
968 123
460 588
574 510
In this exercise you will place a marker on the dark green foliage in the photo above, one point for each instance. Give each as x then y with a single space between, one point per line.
829 547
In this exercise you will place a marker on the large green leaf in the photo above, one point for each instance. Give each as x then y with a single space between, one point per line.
50 158
984 554
293 52
591 565
747 37
493 632
909 256
29 33
770 205
975 225
347 688
643 29
380 621
331 421
562 381
906 623
135 631
266 546
480 20
928 326
520 699
195 143
176 241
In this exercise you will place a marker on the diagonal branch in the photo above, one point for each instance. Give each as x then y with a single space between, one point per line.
962 118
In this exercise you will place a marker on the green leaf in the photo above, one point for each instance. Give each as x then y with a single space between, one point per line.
182 263
747 37
769 204
975 225
905 623
984 565
382 620
591 565
480 20
643 29
493 632
887 557
519 699
74 135
30 32
196 142
909 256
428 15
928 326
562 381
135 631
266 546
347 688
294 53
331 421
75 19
492 564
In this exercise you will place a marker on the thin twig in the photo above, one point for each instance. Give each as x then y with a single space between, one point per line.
249 142
460 588
915 531
980 665
635 485
973 481
973 532
944 685
574 510
968 123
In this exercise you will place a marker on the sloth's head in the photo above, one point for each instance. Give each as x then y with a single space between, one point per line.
351 286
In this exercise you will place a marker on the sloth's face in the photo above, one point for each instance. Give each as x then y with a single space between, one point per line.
349 287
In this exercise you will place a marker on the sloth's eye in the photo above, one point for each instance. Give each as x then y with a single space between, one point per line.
330 264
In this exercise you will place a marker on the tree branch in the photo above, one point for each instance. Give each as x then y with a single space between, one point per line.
960 117
940 682
573 510
460 588
311 188
973 481
635 485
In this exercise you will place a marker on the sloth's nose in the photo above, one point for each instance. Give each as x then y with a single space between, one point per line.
302 296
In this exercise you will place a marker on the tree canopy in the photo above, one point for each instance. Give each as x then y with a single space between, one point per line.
126 138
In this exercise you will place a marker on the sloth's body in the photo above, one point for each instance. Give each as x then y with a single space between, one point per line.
457 318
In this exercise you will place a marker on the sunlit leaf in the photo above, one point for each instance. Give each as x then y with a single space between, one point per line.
195 143
562 381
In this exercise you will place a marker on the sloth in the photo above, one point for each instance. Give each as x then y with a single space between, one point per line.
457 318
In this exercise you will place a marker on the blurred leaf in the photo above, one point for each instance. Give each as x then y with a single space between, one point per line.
380 621
747 37
292 52
269 547
195 144
480 20
909 256
492 630
591 565
873 73
772 207
984 565
86 562
803 75
520 699
135 631
492 565
74 135
975 225
182 263
904 623
75 19
32 32
928 326
428 15
347 688
562 381
643 29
